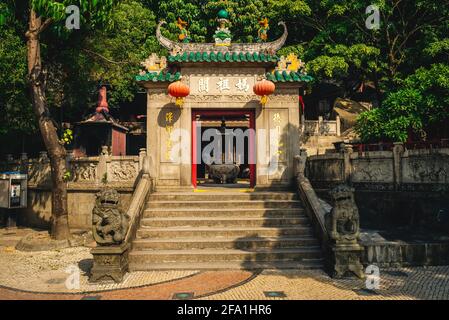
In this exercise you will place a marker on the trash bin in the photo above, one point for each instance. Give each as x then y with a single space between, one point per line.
13 190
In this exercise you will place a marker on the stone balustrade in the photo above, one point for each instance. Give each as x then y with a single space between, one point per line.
397 170
88 175
321 127
118 171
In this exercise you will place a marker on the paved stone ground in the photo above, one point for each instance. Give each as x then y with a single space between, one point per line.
42 275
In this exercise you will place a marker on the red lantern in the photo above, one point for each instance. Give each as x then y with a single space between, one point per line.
178 90
264 88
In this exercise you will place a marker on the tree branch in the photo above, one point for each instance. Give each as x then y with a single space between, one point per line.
45 25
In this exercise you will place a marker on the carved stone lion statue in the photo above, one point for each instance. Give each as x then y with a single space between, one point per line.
109 223
343 222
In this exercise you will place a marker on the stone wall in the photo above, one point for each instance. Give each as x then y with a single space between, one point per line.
401 192
87 177
403 201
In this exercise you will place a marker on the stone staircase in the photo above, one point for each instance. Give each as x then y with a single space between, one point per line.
224 230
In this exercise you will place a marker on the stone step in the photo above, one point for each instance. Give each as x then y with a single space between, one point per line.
305 264
224 232
218 212
219 243
9 241
222 196
207 255
223 222
226 204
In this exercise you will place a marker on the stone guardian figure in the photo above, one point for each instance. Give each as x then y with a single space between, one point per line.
109 223
343 227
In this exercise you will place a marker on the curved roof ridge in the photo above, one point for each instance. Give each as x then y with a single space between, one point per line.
179 47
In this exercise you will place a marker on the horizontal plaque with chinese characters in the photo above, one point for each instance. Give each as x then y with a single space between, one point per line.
222 85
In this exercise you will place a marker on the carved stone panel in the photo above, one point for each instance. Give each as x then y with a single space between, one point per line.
426 169
39 173
372 170
123 170
84 171
329 170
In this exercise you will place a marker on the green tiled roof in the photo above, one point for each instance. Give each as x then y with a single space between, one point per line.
159 76
284 76
223 57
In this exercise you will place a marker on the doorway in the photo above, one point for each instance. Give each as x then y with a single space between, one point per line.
223 148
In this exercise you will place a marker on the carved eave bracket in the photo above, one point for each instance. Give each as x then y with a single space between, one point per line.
177 47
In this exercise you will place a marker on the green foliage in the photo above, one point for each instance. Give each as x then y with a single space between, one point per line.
422 102
288 8
67 137
438 48
93 12
297 49
16 114
114 55
189 11
328 67
330 35
67 176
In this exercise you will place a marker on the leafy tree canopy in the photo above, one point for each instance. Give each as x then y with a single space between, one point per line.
421 103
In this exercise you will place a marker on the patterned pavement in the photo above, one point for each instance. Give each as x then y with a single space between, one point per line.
49 275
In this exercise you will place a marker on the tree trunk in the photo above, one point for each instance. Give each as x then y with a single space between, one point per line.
56 152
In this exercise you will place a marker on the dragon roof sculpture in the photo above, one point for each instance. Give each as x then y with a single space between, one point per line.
176 48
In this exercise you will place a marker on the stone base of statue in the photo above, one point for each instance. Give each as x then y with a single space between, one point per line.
345 260
110 263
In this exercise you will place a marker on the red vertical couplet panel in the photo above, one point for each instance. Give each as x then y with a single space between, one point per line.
194 151
118 143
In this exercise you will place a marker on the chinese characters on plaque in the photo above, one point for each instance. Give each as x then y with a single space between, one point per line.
223 85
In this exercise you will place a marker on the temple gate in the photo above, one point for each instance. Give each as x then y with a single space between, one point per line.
216 83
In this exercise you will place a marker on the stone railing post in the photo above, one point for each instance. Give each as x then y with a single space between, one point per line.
9 158
338 129
300 163
320 125
347 152
102 170
142 157
68 159
398 151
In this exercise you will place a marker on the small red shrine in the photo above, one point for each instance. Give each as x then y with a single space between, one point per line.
100 129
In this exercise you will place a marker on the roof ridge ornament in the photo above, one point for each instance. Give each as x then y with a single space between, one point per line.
222 35
264 47
262 33
184 34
